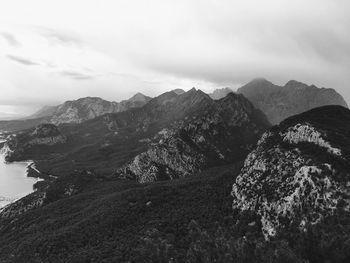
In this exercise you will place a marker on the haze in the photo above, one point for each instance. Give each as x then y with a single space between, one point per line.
52 51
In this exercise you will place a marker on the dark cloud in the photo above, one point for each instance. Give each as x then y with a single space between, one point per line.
76 75
22 60
11 39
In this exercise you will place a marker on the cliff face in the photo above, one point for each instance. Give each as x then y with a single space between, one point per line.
222 133
279 103
298 175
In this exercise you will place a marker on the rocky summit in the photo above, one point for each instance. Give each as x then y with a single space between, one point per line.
297 178
281 102
222 133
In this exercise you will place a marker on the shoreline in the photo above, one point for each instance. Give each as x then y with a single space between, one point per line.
28 173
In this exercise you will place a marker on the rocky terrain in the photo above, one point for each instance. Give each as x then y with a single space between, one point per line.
279 103
222 133
297 178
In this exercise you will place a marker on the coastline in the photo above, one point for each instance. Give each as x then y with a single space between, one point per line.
5 201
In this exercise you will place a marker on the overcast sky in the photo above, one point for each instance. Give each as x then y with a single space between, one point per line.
52 51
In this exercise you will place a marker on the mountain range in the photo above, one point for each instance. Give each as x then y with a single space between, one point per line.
185 177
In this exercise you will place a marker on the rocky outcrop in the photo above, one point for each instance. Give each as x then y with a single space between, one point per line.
222 133
279 103
298 175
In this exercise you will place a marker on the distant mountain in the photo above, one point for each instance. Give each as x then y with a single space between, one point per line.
279 103
297 182
178 91
45 111
88 108
75 111
220 93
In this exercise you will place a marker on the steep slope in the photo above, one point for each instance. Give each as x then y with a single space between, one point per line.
279 103
222 133
297 180
220 93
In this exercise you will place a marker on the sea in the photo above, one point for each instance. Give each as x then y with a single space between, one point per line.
14 182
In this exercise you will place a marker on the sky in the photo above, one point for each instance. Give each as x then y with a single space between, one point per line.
57 50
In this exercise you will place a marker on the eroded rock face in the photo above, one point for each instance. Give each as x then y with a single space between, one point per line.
298 174
222 133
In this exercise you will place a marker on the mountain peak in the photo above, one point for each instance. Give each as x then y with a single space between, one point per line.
295 97
259 80
220 93
295 84
138 97
178 91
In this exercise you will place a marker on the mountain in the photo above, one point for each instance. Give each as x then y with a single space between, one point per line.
219 131
223 132
220 93
178 91
297 182
75 111
88 108
279 103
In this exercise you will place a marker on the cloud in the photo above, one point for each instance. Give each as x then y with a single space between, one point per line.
22 60
11 39
60 37
76 75
202 43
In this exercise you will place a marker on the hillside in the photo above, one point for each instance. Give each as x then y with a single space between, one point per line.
222 131
108 221
297 182
279 103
